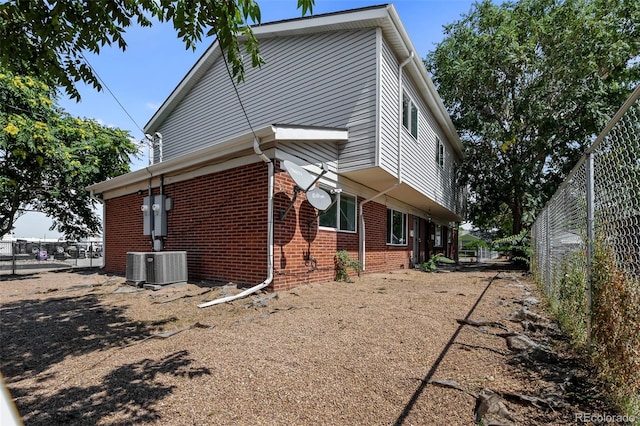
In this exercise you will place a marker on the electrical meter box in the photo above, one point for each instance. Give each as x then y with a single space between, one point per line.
154 213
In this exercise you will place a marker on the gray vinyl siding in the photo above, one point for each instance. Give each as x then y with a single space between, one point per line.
326 79
420 167
313 153
388 155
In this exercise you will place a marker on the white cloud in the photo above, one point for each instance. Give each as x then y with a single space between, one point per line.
153 106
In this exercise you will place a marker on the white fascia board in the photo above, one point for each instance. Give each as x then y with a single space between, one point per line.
229 146
294 133
182 162
314 24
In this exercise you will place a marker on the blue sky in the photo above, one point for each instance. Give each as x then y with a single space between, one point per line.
155 61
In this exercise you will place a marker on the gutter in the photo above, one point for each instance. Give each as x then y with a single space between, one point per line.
269 279
362 246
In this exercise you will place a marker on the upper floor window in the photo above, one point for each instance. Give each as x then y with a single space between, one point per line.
410 115
440 153
342 213
396 228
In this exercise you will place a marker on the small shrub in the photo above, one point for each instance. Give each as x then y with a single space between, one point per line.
519 246
343 261
432 264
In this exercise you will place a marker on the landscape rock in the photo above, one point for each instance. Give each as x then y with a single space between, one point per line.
520 343
524 314
491 410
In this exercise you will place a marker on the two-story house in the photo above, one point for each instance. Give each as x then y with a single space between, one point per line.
343 96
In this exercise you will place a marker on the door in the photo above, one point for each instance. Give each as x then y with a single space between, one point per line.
416 241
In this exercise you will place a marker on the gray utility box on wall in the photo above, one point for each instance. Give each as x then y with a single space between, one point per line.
154 214
166 267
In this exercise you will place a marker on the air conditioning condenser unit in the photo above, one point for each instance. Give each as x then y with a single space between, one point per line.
136 268
166 267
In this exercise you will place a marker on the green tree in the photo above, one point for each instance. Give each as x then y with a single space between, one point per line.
528 85
48 158
48 39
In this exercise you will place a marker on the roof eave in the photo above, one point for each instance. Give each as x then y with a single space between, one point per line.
268 133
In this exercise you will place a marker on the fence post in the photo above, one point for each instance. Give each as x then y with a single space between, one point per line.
590 239
13 257
547 272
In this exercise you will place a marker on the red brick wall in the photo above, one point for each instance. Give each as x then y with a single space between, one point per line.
123 231
221 221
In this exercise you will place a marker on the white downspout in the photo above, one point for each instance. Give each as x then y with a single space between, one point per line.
269 279
362 254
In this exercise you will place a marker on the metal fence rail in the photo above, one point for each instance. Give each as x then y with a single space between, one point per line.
586 244
22 257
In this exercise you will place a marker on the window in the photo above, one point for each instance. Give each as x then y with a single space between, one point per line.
438 239
342 213
414 121
440 153
396 227
405 111
410 115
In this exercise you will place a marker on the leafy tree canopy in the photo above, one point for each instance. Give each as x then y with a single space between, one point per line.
529 84
47 39
48 158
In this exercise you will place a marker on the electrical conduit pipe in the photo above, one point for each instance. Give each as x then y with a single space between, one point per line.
362 248
269 279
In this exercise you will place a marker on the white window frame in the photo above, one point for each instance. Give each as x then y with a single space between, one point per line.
440 153
405 218
337 203
410 115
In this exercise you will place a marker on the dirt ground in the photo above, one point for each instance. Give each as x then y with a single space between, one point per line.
84 348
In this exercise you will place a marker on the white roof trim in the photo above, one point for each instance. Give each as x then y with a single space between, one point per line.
176 165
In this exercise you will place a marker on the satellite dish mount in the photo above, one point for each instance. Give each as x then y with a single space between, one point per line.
304 182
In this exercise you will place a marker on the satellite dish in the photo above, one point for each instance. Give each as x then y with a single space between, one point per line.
319 198
300 176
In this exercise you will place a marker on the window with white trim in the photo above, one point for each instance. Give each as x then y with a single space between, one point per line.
410 115
396 228
440 153
342 213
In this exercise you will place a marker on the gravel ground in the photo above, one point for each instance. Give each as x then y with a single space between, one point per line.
76 349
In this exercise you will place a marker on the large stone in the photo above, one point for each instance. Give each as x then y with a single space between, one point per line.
520 343
491 410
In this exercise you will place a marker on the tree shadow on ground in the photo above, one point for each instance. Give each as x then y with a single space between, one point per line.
37 334
128 393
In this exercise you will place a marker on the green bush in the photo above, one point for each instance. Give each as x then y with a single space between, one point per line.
432 264
343 261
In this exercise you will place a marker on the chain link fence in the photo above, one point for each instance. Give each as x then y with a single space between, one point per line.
23 257
586 252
